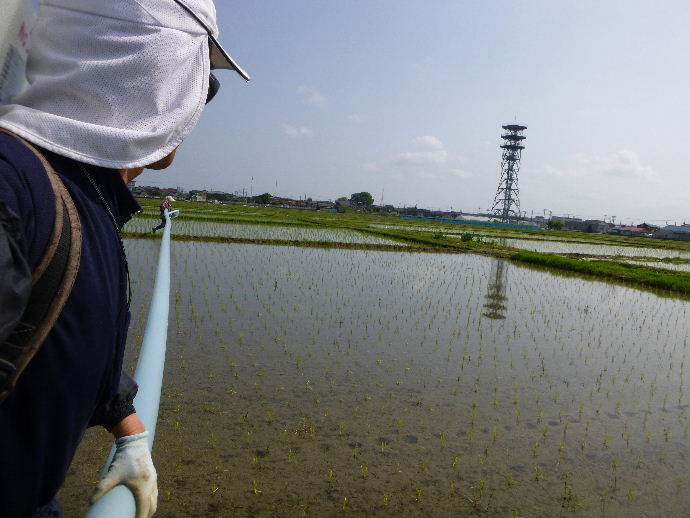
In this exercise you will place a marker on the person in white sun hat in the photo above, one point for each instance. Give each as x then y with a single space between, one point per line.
166 205
114 87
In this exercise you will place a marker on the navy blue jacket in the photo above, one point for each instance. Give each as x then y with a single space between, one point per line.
75 380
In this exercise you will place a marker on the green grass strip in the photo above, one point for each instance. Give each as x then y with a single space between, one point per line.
678 282
234 220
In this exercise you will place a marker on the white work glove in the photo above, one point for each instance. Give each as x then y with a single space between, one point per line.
132 467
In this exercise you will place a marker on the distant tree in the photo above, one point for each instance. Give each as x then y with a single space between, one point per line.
342 204
263 199
220 196
554 225
362 199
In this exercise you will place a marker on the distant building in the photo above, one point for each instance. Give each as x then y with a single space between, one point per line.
472 217
388 209
564 219
414 211
408 211
649 228
630 231
587 225
596 225
153 192
633 231
568 222
323 205
675 232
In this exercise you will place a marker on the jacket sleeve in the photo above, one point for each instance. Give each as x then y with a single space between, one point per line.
111 412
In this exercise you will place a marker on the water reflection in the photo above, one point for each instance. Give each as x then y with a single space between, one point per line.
496 294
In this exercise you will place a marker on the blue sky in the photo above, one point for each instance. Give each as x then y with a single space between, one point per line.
406 98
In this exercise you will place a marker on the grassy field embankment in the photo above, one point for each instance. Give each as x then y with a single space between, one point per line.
615 270
429 236
678 282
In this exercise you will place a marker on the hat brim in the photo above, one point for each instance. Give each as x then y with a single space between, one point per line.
219 58
222 60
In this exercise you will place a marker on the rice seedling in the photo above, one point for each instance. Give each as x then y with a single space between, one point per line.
538 473
569 499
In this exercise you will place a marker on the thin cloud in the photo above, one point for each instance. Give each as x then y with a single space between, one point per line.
312 96
429 141
431 152
623 164
297 131
427 159
435 156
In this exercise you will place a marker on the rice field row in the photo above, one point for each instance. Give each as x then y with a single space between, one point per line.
202 229
674 267
561 247
564 237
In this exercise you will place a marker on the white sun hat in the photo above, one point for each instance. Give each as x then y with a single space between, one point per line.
118 83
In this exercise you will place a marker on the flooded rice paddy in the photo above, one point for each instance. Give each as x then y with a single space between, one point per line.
202 229
312 382
560 245
677 267
563 247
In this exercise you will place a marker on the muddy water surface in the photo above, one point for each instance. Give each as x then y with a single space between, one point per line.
308 382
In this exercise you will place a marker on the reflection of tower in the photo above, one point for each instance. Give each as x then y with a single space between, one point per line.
506 205
496 294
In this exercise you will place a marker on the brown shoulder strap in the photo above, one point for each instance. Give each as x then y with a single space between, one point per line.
52 283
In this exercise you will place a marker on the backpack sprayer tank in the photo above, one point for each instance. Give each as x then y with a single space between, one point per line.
15 25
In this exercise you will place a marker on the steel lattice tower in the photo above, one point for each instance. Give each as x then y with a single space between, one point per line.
506 205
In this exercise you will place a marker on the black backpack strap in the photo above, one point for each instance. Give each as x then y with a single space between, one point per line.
52 283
